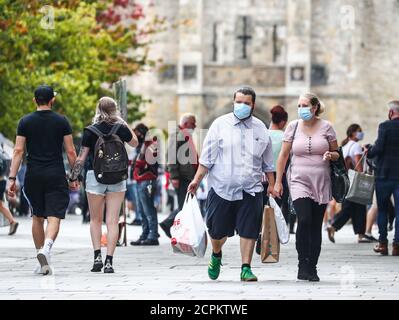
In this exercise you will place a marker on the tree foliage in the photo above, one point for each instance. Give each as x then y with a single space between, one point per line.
87 46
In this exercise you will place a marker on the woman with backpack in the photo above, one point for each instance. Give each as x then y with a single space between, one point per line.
103 144
352 152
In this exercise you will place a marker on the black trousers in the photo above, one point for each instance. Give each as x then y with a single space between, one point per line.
181 196
309 230
356 212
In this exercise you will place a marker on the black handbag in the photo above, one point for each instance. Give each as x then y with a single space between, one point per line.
339 178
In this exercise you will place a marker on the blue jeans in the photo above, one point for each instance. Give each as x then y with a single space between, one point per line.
131 195
145 205
384 189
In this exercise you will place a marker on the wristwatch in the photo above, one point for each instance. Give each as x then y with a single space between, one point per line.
12 178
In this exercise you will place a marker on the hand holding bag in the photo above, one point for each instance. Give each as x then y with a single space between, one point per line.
361 186
188 231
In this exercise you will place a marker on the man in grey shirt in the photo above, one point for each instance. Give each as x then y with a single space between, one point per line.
237 151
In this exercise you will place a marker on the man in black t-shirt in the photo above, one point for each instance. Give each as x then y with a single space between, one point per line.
44 133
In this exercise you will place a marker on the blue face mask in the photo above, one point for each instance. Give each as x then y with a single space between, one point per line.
242 110
305 114
359 135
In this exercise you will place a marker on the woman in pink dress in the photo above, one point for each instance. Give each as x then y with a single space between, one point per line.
313 144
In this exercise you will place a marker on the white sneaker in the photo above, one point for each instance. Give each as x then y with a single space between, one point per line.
44 260
38 269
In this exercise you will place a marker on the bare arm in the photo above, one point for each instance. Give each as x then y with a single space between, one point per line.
19 149
201 173
332 155
358 164
134 142
281 163
70 149
282 160
79 163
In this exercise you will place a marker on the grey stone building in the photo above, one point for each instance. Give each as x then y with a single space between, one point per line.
343 50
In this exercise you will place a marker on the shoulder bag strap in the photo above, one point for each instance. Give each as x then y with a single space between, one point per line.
94 130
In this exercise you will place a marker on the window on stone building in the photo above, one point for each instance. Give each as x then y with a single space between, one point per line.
243 37
319 75
297 73
189 72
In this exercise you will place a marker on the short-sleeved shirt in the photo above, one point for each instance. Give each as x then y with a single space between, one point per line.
44 132
237 153
89 139
309 174
352 149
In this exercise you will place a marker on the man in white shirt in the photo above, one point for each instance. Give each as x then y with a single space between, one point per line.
236 151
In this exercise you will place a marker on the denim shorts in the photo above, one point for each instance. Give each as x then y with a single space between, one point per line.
94 187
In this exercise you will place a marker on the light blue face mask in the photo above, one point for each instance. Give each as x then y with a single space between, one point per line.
304 113
242 110
359 135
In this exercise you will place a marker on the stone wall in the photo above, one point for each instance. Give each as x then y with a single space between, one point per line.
343 50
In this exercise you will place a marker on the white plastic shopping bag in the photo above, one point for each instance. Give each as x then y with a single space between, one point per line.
282 228
188 230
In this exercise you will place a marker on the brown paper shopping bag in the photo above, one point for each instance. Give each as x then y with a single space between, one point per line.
270 248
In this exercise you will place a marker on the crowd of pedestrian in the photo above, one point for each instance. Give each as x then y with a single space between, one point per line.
243 162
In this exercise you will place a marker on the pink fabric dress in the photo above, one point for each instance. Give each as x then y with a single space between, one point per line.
309 175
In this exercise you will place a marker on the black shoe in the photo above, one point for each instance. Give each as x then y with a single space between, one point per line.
137 242
303 274
150 242
98 265
371 238
303 271
313 277
108 268
165 229
135 222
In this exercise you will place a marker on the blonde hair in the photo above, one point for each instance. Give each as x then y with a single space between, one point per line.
107 111
315 101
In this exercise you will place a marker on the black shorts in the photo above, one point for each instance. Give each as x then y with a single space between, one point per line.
3 184
47 194
224 218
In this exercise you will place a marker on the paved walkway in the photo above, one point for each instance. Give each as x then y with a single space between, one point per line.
348 271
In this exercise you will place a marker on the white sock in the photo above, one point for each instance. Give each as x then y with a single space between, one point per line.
48 244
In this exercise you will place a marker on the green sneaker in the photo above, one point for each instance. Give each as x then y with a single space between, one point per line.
214 267
247 275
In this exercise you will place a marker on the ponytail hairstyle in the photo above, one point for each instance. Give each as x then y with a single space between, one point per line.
349 132
315 102
107 111
279 114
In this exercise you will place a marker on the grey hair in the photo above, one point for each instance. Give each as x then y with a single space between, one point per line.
394 106
185 117
107 111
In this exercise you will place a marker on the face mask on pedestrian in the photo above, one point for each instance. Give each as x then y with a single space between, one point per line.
359 135
305 113
242 110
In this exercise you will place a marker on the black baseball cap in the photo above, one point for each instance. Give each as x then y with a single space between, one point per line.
44 94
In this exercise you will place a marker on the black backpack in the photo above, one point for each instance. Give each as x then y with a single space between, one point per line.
110 161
